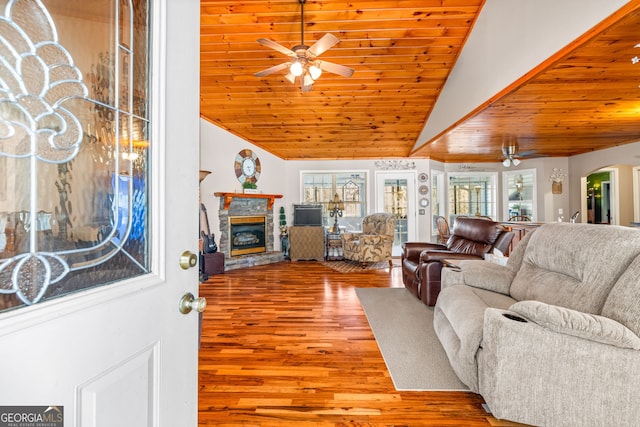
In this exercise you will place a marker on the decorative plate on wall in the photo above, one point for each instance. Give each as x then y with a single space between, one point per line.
423 177
424 202
423 189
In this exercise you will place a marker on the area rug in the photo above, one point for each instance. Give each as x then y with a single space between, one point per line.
356 267
403 328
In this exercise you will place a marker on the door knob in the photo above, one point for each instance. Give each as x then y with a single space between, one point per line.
188 302
188 259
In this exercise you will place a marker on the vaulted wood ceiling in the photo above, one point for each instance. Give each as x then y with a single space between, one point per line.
583 99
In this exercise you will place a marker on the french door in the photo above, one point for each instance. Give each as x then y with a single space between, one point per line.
99 211
396 194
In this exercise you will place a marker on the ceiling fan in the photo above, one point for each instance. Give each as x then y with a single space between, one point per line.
304 63
510 154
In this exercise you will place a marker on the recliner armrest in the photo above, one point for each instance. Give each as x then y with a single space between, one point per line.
578 324
434 255
412 250
487 275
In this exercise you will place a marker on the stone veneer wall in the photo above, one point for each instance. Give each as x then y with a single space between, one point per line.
247 207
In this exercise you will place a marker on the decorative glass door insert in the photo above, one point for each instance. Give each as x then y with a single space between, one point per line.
74 146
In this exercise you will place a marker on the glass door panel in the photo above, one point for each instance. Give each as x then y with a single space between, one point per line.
74 148
393 196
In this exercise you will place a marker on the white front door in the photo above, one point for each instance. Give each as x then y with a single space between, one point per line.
396 194
98 201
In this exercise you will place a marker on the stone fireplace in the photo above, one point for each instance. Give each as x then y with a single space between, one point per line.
247 230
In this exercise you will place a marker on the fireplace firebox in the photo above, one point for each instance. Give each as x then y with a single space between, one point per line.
247 235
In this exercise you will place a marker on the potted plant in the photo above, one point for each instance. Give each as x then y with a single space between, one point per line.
250 187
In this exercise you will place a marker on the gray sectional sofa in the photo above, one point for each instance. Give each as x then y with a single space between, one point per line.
552 338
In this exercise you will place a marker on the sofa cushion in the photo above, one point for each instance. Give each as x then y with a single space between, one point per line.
578 324
458 321
623 302
574 265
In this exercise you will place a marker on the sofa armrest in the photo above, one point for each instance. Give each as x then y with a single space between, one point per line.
534 375
375 239
350 236
578 324
485 275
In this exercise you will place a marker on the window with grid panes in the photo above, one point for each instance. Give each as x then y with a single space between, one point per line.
320 188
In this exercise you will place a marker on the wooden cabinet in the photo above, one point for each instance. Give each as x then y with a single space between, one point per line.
519 229
306 242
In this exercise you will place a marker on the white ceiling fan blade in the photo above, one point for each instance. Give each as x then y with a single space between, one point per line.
272 70
336 68
276 46
325 43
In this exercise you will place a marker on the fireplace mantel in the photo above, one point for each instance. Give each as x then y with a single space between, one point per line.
228 197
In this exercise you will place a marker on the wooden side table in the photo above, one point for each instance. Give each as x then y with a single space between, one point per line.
334 247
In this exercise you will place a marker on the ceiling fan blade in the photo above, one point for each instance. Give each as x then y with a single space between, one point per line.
325 43
276 46
336 68
272 70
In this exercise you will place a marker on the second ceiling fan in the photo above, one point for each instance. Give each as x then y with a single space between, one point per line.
303 61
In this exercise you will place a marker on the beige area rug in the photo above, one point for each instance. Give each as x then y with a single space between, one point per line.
347 266
403 328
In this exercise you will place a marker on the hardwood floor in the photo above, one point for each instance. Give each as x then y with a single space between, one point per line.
289 344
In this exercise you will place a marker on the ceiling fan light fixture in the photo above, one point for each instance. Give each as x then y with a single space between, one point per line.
308 80
296 69
289 76
506 162
315 71
516 162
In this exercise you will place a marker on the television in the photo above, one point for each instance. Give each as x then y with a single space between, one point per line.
307 215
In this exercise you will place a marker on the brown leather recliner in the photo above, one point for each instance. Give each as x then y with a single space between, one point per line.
472 238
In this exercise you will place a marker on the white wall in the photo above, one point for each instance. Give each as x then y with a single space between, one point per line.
218 150
295 167
584 164
548 204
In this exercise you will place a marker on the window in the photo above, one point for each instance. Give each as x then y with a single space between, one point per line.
320 188
472 194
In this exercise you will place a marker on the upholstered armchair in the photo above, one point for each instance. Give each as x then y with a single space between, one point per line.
374 243
471 238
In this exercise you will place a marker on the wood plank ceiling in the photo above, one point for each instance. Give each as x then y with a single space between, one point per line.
582 99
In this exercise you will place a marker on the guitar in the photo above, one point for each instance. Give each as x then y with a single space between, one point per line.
208 240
